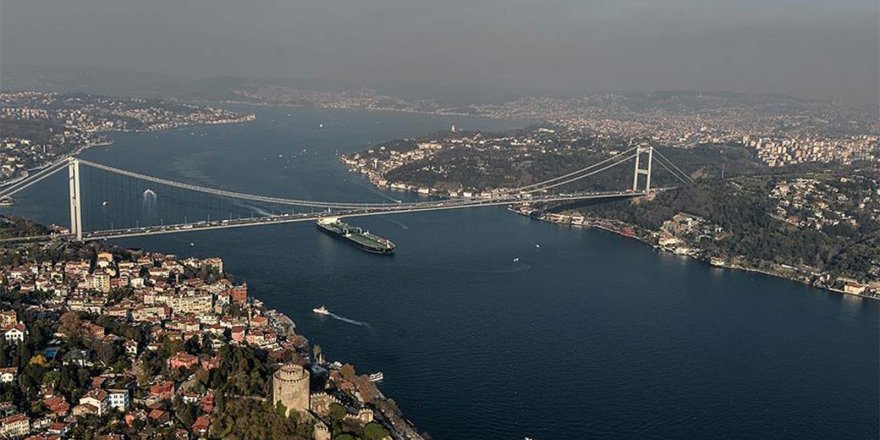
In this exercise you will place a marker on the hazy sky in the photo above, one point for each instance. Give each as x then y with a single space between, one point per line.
813 48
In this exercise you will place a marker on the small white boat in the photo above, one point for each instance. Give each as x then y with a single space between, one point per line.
376 377
321 310
516 260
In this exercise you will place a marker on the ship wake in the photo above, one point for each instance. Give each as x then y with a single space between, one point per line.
350 321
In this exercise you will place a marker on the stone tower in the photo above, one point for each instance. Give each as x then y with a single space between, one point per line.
290 386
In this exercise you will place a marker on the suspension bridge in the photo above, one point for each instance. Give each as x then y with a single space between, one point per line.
268 210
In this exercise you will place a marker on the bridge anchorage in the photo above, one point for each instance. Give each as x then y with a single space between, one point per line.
237 209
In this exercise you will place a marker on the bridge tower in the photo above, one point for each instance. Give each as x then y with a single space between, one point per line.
75 198
640 151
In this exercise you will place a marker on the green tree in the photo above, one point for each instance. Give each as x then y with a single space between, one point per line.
375 431
337 412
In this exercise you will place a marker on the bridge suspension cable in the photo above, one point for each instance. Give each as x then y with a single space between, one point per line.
674 174
548 181
574 179
31 180
685 179
239 195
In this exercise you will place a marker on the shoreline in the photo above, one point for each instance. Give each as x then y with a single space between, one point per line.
108 142
369 109
595 225
76 152
252 324
377 181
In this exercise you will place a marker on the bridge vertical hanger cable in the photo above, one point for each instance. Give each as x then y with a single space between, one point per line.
222 198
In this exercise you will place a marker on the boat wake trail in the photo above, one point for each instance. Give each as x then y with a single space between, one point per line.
350 321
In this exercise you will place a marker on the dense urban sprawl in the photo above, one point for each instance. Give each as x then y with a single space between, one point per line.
103 342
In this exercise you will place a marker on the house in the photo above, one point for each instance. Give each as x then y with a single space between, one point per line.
7 375
59 428
854 288
119 398
131 348
238 294
183 360
159 416
162 390
201 426
8 318
238 333
210 363
84 410
131 417
259 321
40 424
7 409
57 406
190 397
81 358
15 334
97 398
207 403
94 331
17 425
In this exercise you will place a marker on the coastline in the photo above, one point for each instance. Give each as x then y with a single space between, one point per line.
372 109
248 324
616 227
595 223
108 142
76 152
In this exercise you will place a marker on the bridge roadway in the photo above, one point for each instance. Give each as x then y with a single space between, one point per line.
401 208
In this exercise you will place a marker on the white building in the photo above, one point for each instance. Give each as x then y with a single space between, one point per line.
119 399
15 334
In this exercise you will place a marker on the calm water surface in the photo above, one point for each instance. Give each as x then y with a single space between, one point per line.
587 335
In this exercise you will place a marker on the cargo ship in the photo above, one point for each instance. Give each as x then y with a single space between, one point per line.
356 236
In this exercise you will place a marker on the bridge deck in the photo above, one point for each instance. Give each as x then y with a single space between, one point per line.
400 209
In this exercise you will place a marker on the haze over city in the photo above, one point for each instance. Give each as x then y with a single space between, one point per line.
806 48
439 220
